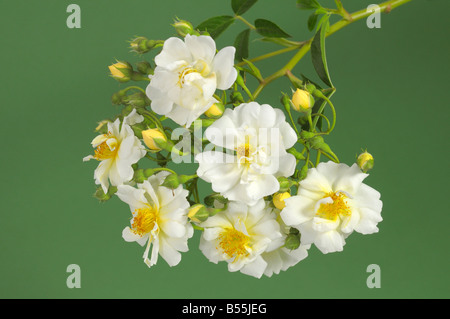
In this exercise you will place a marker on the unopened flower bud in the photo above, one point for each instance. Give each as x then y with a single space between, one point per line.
365 161
237 98
183 28
292 240
101 196
216 110
302 101
144 67
153 138
143 45
284 184
137 100
278 200
171 181
198 213
121 71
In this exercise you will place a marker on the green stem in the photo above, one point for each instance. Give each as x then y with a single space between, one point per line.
358 15
318 157
135 88
154 119
251 26
246 90
307 157
332 157
293 123
326 119
153 159
268 55
311 126
316 119
163 169
333 111
194 188
197 227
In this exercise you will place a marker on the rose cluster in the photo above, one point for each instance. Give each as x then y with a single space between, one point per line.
264 213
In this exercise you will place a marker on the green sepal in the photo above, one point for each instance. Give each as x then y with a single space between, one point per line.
101 196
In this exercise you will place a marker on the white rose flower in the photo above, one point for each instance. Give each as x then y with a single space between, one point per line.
117 151
331 203
282 258
186 76
239 235
159 219
259 135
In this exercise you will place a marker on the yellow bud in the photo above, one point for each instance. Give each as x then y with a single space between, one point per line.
215 110
115 70
302 100
365 161
198 213
278 199
152 137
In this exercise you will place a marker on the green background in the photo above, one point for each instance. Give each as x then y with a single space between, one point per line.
392 98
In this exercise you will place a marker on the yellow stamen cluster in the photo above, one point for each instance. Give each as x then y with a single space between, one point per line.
105 151
234 243
182 74
244 152
338 208
144 220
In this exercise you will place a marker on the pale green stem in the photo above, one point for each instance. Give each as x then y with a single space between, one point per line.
318 157
269 55
163 169
251 26
364 13
134 87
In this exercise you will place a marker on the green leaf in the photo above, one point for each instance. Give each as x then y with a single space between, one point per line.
269 29
318 52
216 25
312 20
241 45
282 41
241 6
308 4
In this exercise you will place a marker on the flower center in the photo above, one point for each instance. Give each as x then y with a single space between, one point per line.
200 67
144 220
244 153
338 208
182 74
105 151
234 243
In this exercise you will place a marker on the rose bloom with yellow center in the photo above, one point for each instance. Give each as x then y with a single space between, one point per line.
259 136
239 235
331 203
159 219
188 72
117 151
